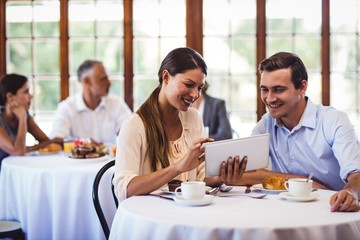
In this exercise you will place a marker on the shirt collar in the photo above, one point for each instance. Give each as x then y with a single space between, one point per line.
81 106
308 119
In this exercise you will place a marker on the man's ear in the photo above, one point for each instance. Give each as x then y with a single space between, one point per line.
303 86
166 76
85 79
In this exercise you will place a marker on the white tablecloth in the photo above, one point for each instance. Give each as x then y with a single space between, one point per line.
150 217
52 196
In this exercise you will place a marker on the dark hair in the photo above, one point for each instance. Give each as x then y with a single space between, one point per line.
180 60
10 83
85 66
282 60
205 88
177 61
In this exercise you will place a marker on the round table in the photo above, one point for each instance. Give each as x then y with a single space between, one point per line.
51 195
238 217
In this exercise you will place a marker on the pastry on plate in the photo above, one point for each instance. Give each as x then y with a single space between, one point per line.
52 147
274 183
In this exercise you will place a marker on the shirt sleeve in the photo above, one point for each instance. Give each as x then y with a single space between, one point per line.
129 157
260 127
342 137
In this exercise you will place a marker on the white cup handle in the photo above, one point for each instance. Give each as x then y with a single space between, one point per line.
286 185
177 193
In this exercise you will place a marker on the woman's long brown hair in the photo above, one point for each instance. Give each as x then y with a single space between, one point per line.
177 61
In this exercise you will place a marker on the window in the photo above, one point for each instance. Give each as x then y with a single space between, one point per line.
159 27
33 48
345 57
97 29
297 30
229 51
96 32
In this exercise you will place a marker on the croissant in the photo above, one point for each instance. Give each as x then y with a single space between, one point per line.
52 147
274 183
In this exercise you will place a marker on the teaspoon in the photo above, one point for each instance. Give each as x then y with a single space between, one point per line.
309 177
213 191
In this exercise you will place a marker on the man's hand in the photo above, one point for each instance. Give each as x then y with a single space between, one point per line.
232 171
344 201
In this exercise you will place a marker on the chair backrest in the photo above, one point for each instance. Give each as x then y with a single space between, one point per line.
11 229
96 200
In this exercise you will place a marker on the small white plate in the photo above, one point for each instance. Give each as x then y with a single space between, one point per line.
98 159
192 203
288 196
171 192
259 187
38 153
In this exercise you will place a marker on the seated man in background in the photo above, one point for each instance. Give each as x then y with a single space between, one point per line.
306 137
93 113
213 111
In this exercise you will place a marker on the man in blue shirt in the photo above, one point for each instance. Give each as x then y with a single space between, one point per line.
306 137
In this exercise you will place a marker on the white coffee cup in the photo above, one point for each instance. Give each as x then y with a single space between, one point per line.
191 190
299 187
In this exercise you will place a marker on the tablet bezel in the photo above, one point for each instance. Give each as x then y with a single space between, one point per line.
219 151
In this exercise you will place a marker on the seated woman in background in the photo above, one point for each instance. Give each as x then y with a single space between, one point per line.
213 111
15 120
163 140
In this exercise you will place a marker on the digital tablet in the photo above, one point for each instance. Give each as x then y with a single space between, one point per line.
256 148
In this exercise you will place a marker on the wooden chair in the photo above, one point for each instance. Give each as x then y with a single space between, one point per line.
11 229
95 196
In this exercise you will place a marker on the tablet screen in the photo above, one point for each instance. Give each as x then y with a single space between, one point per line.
256 148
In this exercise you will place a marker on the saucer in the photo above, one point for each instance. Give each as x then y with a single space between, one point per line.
288 196
259 187
201 202
172 192
38 153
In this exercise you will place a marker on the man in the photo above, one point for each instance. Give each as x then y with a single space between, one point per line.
93 113
306 137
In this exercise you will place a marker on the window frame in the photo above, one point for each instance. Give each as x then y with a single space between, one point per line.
194 35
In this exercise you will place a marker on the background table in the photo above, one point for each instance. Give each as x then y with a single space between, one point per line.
52 196
151 217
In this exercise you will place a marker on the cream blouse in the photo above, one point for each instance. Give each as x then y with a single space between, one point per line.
131 148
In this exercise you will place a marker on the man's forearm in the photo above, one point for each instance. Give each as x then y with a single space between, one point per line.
257 176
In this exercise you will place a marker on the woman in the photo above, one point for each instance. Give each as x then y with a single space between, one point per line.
15 120
162 140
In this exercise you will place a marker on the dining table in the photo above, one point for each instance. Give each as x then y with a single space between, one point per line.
235 215
51 196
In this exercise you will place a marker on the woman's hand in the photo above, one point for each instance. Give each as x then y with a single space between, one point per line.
57 140
18 110
194 156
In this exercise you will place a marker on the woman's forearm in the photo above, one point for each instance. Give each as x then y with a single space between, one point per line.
145 184
19 144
